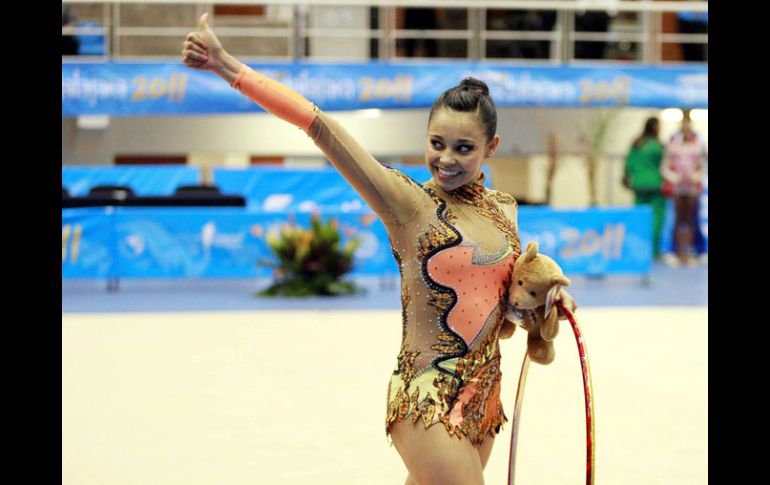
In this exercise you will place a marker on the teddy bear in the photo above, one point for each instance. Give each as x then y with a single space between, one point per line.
535 282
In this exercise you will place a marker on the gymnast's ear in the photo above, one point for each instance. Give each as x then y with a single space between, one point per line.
492 146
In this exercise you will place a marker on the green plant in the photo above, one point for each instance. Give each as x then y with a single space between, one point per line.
310 261
597 124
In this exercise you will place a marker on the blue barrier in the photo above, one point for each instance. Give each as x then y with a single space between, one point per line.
594 241
285 189
88 244
196 242
230 242
144 180
135 89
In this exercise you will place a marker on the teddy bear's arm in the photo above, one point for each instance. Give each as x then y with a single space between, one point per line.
507 329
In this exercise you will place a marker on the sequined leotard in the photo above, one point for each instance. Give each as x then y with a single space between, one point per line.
456 259
455 251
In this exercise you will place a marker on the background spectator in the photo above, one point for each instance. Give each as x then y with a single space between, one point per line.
643 176
683 169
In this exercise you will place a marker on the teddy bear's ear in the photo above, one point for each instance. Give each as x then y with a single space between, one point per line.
560 280
531 251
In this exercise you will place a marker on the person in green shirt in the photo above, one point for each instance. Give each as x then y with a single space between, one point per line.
642 175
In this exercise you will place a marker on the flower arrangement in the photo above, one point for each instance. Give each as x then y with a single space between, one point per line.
311 261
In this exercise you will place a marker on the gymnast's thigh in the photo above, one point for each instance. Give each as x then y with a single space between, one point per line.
484 450
433 457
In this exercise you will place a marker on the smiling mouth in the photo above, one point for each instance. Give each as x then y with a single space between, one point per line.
446 174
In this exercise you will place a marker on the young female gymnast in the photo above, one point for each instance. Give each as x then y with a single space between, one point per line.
455 243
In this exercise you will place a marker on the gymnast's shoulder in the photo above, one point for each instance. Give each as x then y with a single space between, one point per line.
502 198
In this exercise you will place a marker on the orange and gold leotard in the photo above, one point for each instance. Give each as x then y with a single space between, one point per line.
455 252
456 257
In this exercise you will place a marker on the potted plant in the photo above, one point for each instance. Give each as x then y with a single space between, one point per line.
310 262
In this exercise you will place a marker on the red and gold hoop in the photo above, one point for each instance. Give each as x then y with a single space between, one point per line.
589 402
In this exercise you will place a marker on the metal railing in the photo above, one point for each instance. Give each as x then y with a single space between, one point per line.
643 27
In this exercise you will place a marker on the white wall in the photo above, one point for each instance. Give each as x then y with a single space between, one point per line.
229 141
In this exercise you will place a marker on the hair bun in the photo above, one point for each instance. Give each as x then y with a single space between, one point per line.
475 84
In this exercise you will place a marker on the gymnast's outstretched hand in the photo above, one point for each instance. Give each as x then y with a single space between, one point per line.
203 50
569 303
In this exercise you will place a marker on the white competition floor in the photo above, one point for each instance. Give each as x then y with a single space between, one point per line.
298 397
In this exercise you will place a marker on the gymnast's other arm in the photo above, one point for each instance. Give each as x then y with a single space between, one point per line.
392 196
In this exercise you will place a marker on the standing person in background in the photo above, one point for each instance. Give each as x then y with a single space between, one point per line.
642 174
455 242
699 241
683 169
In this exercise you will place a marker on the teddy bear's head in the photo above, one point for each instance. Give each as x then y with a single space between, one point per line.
535 277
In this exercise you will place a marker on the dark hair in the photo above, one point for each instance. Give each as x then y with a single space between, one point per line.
471 95
649 131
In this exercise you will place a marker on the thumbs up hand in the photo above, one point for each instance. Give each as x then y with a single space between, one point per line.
202 49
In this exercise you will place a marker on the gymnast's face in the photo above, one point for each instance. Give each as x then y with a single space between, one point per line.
456 148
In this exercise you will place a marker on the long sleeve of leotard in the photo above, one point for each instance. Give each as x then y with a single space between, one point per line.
393 196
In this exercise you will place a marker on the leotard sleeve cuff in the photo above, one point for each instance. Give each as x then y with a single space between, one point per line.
276 98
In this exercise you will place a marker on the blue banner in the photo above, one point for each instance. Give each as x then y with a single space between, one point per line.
134 89
594 241
87 243
231 242
143 180
196 242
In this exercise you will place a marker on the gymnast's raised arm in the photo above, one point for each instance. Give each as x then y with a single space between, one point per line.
391 195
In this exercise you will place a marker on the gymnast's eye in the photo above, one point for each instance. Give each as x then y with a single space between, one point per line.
520 283
533 293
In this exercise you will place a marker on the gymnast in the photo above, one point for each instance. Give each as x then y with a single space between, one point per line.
455 243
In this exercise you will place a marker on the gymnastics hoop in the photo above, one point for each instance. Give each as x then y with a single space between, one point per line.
589 402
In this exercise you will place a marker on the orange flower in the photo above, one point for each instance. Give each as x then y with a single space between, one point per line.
367 219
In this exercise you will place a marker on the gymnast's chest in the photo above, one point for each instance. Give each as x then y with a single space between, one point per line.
481 259
485 228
